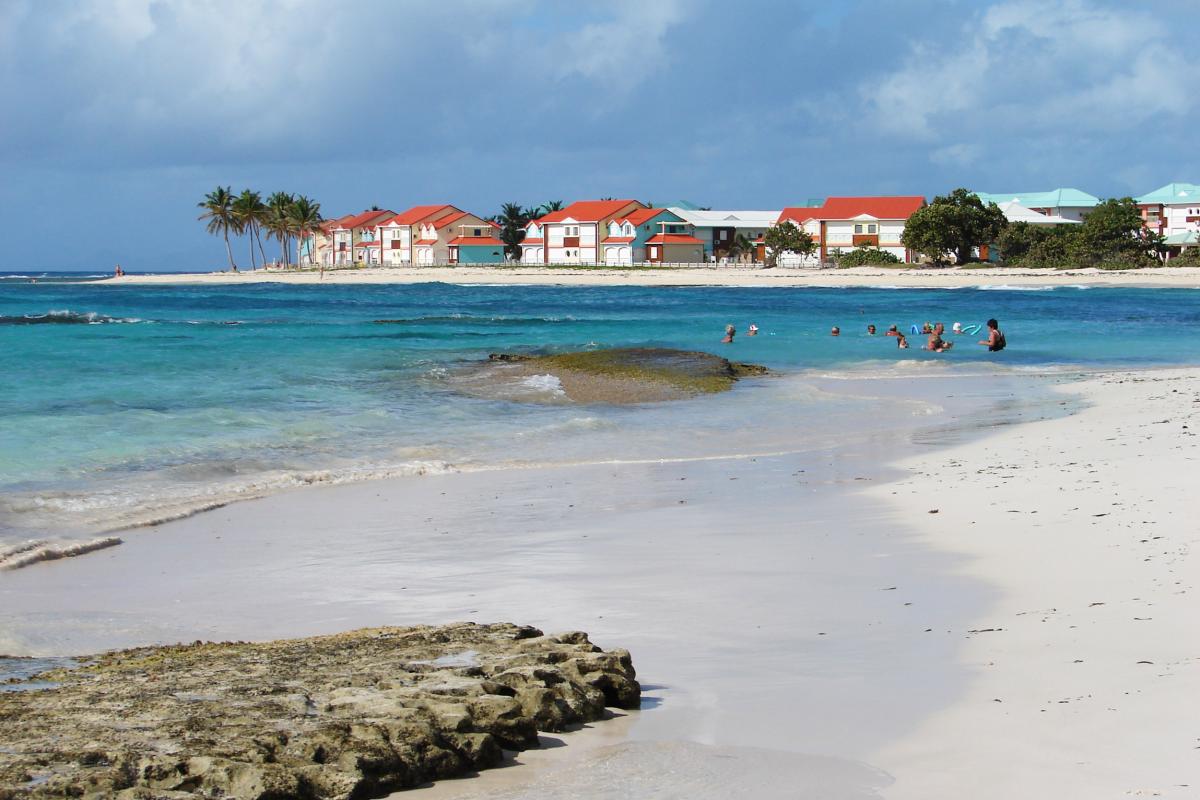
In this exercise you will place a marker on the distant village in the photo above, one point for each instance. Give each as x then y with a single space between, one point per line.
628 232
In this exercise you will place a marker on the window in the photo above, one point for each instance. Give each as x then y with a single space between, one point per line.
871 228
477 232
724 235
858 228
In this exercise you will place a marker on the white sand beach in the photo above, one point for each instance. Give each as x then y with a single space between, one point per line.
804 625
722 276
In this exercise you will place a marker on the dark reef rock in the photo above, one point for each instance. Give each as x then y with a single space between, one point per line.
352 715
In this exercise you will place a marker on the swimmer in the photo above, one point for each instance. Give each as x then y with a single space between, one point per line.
870 330
995 341
901 342
926 329
936 343
893 331
729 331
835 331
956 328
752 330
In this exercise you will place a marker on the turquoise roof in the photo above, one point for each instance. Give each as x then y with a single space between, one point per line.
1182 239
1172 193
686 205
1055 198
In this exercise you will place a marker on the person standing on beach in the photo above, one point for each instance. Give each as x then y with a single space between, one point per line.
995 341
729 331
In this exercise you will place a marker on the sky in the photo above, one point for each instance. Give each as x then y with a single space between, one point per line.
119 115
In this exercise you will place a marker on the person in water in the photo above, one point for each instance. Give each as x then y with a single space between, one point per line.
893 331
752 330
926 329
956 328
870 330
995 341
729 331
835 331
936 344
901 341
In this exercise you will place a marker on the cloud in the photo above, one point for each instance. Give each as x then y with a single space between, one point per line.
1020 66
212 81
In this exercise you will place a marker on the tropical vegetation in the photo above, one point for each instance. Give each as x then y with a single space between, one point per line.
288 218
865 256
956 224
786 237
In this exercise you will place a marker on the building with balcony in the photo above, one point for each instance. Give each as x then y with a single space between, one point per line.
847 223
396 235
718 230
348 234
627 237
573 235
1172 210
432 245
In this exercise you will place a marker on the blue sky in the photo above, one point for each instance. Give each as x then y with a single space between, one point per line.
120 114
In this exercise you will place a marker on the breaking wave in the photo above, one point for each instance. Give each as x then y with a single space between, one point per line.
65 317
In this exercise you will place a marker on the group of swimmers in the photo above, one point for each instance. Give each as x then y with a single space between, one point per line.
934 330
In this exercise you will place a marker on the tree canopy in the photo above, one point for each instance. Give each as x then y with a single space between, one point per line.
787 237
953 224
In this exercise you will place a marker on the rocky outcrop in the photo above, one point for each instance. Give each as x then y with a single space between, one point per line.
353 715
628 374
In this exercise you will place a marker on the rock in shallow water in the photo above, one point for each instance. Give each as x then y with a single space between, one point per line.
629 374
357 714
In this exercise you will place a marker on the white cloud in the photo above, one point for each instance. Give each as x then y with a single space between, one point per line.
1057 66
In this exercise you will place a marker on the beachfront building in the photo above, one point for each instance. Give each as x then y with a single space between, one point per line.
718 230
1068 203
348 234
474 244
627 240
1172 211
432 245
398 233
847 223
574 234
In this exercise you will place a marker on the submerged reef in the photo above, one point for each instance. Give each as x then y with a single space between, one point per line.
629 374
353 715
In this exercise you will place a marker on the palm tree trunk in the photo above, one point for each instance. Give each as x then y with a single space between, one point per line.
261 252
229 251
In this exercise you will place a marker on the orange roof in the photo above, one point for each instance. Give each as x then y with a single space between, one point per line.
619 239
640 215
480 240
418 213
359 220
527 240
442 222
851 207
673 238
425 241
587 211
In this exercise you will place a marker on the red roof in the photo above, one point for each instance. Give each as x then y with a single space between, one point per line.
673 238
619 239
640 215
527 240
375 243
418 213
587 211
851 207
425 241
359 220
442 222
479 240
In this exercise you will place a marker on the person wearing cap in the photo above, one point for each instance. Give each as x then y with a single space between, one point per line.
752 330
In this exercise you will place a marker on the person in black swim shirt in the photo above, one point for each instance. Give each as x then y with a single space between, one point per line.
995 341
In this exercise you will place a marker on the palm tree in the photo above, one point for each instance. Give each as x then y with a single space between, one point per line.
303 219
512 220
741 248
553 205
218 210
277 223
248 213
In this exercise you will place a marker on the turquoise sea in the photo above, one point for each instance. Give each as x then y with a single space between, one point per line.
131 404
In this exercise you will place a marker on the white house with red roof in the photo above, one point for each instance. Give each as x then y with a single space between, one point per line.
627 239
847 223
573 235
397 234
348 235
432 245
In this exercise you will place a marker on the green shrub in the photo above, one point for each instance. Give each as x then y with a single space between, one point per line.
865 256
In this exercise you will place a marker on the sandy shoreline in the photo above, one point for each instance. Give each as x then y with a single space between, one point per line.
733 277
803 626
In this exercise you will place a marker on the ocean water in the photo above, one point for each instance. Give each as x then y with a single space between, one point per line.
126 405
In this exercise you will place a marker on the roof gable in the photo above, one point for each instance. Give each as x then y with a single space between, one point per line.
1172 193
418 213
588 211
